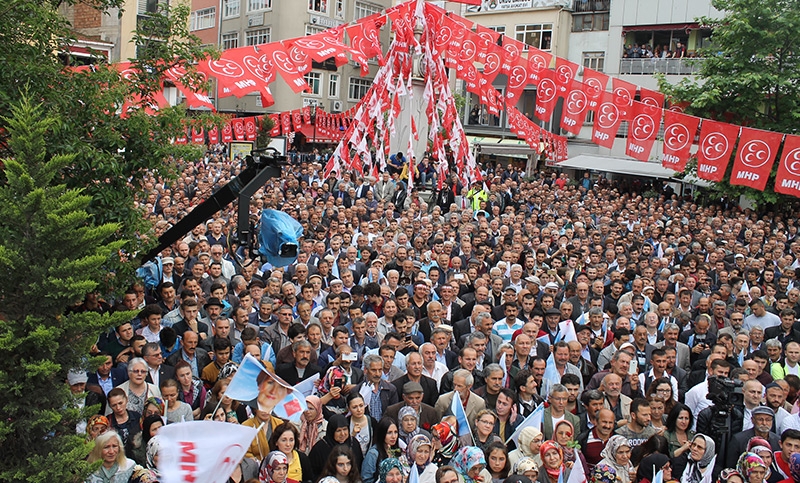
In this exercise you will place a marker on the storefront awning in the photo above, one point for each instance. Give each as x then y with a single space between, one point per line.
617 165
514 148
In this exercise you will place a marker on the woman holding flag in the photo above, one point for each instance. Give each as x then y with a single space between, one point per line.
530 439
445 443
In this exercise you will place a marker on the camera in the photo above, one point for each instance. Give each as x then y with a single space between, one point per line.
725 392
278 237
338 383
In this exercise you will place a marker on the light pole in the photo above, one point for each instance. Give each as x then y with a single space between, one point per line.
314 121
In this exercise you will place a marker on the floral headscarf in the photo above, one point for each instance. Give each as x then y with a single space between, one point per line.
726 474
467 458
747 462
544 448
794 466
524 465
326 383
97 419
155 401
386 466
416 443
604 473
448 439
525 437
152 452
309 430
609 455
269 464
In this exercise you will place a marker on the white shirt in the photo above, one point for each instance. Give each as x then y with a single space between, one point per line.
439 370
696 399
672 381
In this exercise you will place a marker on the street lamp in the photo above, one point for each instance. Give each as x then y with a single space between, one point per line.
314 120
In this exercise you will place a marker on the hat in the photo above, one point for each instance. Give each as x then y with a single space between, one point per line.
77 377
762 410
213 301
316 275
738 255
168 260
511 287
553 311
336 281
377 260
257 282
412 387
204 253
627 345
330 258
474 261
552 285
533 279
582 327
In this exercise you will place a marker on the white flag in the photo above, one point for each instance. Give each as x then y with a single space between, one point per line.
306 388
578 473
202 451
567 331
534 420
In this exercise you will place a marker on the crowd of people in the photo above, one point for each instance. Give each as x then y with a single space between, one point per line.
659 337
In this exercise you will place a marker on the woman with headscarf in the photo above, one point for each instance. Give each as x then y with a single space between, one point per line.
338 432
552 463
417 456
470 464
564 436
752 468
794 469
409 425
761 447
390 471
730 475
702 455
526 467
274 469
312 424
617 455
652 464
445 443
530 439
97 425
150 426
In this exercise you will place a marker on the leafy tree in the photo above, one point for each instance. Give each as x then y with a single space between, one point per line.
750 76
51 254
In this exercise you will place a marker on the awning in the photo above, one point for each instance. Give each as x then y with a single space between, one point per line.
661 27
514 148
617 165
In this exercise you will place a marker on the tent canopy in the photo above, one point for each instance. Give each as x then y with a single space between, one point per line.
617 165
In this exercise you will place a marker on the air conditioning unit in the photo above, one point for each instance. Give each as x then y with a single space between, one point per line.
337 106
255 20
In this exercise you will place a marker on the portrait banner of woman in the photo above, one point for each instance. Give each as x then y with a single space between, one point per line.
273 394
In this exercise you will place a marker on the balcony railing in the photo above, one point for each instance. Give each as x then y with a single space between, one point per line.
592 5
685 66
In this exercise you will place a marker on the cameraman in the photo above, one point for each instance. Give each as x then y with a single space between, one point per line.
725 416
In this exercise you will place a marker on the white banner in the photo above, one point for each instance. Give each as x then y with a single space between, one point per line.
202 451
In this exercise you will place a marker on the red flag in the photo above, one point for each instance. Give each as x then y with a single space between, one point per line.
307 115
182 138
213 135
754 158
492 63
198 137
642 130
546 96
517 80
624 92
538 60
250 128
606 121
451 59
276 125
576 105
594 85
485 39
652 98
297 119
285 66
787 181
679 106
513 49
679 132
286 122
716 144
564 74
238 128
469 2
227 132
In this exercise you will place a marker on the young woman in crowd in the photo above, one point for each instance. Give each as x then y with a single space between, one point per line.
312 425
274 469
530 439
337 433
470 464
497 461
190 390
341 465
483 434
552 463
385 446
361 424
284 439
445 443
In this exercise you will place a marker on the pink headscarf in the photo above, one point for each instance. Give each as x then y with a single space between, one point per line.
309 431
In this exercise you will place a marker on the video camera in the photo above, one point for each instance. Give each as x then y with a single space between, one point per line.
725 392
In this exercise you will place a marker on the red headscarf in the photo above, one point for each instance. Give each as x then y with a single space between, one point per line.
553 473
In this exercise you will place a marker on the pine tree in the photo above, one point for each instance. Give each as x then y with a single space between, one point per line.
51 255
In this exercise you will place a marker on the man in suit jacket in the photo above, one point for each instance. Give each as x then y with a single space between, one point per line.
107 376
290 372
762 418
557 410
462 382
412 397
671 334
189 352
156 371
375 385
414 374
384 189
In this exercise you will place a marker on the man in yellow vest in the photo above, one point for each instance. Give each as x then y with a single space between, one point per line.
476 195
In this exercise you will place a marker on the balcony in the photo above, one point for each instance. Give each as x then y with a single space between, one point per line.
684 66
586 6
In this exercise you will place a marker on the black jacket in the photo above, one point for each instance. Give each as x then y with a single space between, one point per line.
429 390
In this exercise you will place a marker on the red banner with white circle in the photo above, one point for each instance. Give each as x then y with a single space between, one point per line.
755 157
576 105
642 130
679 132
607 119
716 145
787 180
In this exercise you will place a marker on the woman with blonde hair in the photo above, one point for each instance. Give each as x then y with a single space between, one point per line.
115 467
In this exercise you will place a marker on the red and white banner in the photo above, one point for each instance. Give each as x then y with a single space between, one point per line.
642 130
276 125
576 105
755 157
198 137
238 128
227 132
517 80
594 85
182 138
250 129
679 132
716 145
564 74
606 121
213 135
651 98
538 61
787 181
624 92
283 63
202 451
546 95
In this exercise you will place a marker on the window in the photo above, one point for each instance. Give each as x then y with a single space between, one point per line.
594 60
314 29
256 5
338 11
150 6
538 35
363 9
230 41
333 86
501 29
230 8
314 80
256 37
319 6
358 88
590 21
204 19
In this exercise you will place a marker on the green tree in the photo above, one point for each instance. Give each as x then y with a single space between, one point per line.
751 74
51 254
